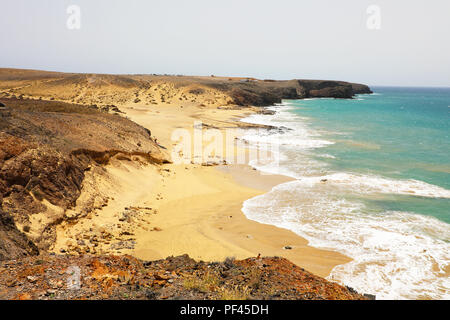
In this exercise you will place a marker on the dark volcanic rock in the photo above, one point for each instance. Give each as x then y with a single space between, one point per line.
32 172
263 93
343 92
326 89
13 243
360 88
266 112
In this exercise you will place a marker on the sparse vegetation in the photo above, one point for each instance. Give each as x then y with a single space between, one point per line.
206 283
235 293
125 277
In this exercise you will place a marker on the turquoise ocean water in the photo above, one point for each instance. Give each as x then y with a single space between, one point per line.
372 181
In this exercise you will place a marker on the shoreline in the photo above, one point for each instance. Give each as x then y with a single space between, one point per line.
205 220
356 234
275 239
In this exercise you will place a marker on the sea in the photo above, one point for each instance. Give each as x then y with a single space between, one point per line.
372 181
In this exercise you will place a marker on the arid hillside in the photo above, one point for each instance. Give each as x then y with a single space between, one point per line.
100 89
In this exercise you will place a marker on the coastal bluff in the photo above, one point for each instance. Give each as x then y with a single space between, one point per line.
152 90
59 132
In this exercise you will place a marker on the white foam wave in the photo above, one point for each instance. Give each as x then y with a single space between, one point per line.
376 184
295 132
395 254
326 156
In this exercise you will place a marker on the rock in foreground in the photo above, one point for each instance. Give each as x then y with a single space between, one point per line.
127 278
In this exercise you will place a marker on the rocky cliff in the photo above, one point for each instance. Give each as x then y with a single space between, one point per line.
265 93
13 243
45 149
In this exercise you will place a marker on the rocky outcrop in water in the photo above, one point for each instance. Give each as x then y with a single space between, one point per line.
265 93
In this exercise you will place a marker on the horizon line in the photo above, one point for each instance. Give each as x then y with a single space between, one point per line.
229 76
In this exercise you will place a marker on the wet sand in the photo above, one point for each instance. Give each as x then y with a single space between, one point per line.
196 209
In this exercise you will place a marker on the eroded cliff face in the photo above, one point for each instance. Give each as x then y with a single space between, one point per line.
13 243
46 148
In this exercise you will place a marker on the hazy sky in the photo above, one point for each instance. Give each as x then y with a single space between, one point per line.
278 39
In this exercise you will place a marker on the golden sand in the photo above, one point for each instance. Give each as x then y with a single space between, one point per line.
195 209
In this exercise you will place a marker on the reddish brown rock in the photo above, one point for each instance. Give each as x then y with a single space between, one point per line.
13 243
113 277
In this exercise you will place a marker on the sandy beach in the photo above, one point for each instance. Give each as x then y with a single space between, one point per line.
150 152
193 209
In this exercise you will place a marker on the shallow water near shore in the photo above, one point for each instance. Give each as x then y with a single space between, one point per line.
372 182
